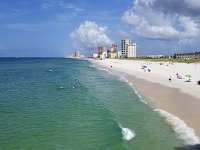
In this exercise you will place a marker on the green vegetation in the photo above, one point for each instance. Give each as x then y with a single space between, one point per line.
166 60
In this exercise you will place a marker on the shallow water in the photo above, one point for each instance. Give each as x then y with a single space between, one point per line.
58 103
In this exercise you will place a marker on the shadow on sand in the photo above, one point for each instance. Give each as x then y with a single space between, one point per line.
189 147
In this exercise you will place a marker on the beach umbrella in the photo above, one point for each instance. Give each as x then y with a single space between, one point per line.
144 66
188 75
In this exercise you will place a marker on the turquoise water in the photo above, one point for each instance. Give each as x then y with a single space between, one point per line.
65 104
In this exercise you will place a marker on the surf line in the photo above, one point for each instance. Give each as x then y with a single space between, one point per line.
127 133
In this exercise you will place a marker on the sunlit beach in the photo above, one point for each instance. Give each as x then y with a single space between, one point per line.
99 75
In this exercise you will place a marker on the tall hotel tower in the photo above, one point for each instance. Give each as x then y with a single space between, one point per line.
128 48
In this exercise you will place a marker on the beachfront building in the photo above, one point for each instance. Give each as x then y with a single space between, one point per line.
113 51
195 55
113 55
131 50
113 47
128 48
102 52
153 56
104 55
125 42
76 55
95 55
119 54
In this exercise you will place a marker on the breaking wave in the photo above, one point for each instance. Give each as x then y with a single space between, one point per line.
103 69
131 84
180 128
127 133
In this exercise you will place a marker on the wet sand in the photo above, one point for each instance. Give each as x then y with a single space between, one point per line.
176 97
182 105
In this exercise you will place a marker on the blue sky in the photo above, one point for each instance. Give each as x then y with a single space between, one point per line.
57 27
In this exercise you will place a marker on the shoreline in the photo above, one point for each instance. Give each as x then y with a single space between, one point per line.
184 104
177 103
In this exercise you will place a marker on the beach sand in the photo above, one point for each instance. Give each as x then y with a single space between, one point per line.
172 100
177 97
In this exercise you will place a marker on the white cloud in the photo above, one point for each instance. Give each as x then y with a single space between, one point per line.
122 33
193 4
145 3
60 4
64 17
147 22
90 35
191 29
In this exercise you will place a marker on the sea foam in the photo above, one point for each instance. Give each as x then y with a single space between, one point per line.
102 69
92 66
127 133
97 67
124 78
179 126
140 97
131 85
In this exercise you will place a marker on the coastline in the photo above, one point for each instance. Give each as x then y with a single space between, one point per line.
177 98
171 100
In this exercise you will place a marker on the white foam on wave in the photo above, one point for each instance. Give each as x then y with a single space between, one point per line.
92 66
179 126
124 78
131 84
140 97
97 67
142 100
102 69
127 133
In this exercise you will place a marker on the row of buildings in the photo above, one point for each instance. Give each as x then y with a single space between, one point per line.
128 50
194 55
76 54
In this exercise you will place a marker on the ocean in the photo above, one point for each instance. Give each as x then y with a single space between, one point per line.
69 104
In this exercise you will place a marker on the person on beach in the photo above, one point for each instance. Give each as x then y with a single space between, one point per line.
178 76
170 78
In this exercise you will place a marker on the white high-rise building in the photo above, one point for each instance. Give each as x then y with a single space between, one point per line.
128 48
119 54
95 55
76 55
131 50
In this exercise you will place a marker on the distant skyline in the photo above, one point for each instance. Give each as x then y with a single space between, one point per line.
54 28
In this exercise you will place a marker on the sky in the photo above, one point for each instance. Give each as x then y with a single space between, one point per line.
56 28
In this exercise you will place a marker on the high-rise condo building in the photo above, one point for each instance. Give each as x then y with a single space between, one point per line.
76 54
128 48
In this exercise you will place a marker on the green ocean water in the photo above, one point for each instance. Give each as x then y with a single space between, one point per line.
66 104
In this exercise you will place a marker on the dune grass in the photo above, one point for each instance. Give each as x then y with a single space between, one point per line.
166 60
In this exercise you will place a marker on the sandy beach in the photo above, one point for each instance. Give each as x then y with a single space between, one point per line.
151 80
